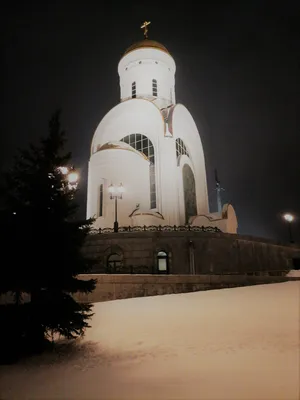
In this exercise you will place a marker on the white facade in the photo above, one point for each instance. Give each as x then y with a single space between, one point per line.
151 145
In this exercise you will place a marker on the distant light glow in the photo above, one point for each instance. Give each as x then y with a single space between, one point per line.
73 177
289 217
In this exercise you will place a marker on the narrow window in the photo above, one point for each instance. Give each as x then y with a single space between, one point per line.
133 90
101 200
152 187
154 87
181 148
162 262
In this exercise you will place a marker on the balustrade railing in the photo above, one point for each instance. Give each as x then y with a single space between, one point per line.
158 228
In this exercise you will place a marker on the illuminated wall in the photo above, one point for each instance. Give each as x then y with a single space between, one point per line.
144 67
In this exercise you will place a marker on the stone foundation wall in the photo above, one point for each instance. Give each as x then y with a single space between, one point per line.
112 287
212 253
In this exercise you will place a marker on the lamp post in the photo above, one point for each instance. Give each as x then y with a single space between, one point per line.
289 218
116 193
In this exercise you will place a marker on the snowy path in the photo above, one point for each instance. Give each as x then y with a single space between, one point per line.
235 344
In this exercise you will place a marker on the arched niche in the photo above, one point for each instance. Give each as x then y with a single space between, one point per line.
189 192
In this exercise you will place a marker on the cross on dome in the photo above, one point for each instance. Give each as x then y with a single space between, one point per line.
145 27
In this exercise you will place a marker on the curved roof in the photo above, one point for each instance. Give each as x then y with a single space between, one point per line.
119 146
146 43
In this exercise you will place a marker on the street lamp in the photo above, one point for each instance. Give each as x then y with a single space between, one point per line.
116 193
289 218
73 178
71 175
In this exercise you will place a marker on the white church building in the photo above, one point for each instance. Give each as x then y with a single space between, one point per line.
147 151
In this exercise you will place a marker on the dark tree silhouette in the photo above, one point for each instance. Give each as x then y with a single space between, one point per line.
42 240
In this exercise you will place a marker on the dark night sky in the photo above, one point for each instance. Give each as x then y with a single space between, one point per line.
237 72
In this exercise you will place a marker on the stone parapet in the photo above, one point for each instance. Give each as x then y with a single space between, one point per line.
112 287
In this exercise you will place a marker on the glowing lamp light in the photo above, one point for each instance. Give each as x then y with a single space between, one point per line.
289 217
73 177
121 188
115 194
63 170
115 190
111 189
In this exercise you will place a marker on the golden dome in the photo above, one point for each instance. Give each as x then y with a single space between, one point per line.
146 43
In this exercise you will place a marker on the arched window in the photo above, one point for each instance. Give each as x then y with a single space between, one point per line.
181 148
154 87
133 90
114 263
162 262
141 143
189 191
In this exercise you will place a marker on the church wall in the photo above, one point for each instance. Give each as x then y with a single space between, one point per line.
225 221
118 166
185 128
142 74
203 220
214 253
143 65
147 219
141 116
168 180
131 116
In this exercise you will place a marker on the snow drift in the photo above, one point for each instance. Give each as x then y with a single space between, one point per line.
237 344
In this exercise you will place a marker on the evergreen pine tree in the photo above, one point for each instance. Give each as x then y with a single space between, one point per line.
43 240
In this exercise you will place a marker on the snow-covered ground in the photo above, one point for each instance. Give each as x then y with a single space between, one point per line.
294 273
233 344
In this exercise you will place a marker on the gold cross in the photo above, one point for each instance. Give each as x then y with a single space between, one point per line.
145 27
